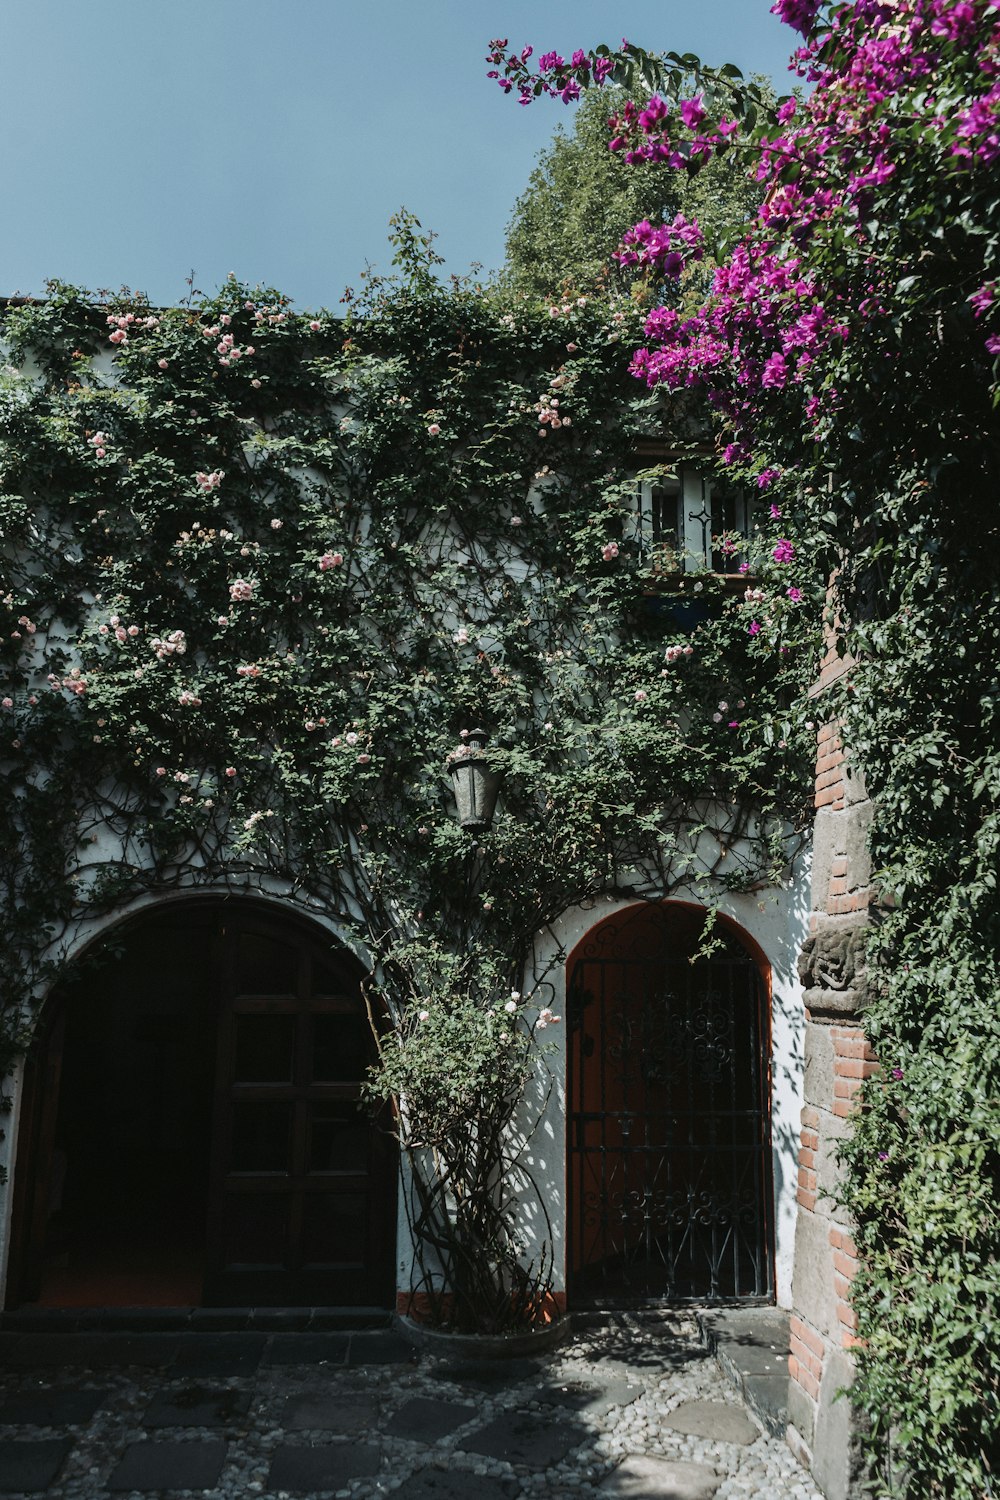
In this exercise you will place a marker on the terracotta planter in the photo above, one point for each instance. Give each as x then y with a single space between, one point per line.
484 1345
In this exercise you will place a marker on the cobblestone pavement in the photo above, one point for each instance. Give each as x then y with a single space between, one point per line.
632 1408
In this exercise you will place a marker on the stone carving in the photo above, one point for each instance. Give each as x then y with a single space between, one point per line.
833 958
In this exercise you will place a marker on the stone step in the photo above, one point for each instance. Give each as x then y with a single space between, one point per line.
192 1319
750 1345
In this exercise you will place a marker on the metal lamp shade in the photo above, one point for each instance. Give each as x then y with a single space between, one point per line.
476 786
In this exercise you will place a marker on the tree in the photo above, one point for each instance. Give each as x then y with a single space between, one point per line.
581 199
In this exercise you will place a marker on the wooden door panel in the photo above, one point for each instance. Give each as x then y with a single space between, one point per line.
302 1180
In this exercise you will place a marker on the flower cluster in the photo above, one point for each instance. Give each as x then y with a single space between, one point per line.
121 632
771 322
555 77
122 324
666 248
800 14
651 134
228 350
547 407
74 682
174 644
763 328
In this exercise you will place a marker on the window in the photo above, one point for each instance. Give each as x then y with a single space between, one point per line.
680 512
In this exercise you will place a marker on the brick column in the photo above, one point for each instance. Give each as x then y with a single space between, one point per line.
822 1428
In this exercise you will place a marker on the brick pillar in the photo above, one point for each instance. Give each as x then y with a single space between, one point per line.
822 1428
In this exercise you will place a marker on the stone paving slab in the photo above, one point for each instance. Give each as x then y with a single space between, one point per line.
433 1483
719 1420
489 1374
528 1438
330 1411
90 1350
50 1408
169 1466
380 1348
330 1467
424 1420
595 1396
195 1406
308 1349
219 1353
651 1478
28 1467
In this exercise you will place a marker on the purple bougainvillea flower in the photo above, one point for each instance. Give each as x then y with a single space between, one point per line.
799 14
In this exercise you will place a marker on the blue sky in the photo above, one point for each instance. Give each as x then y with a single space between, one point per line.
141 139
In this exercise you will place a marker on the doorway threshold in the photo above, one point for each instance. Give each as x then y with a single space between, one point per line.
193 1319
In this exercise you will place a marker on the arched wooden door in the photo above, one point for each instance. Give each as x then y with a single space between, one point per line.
196 1132
669 1144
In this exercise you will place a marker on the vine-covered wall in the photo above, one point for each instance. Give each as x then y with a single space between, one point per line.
264 571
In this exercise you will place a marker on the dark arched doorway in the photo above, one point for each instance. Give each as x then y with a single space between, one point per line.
193 1132
669 1144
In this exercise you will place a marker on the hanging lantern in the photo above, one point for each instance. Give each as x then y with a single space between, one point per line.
476 786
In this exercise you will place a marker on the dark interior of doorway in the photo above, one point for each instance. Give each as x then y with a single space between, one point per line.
127 1195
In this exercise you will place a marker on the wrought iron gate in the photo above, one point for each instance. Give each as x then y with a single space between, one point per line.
669 1126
